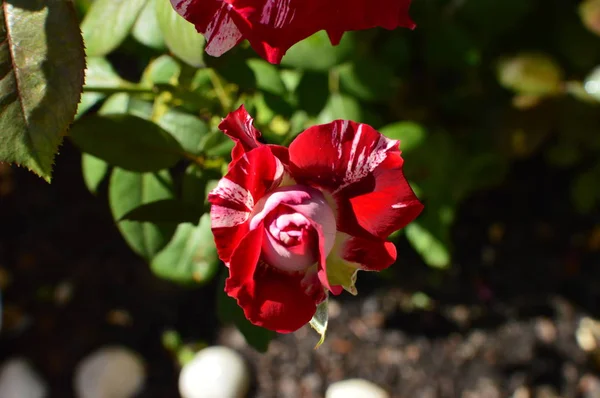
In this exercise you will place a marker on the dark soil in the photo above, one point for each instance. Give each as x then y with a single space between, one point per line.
501 322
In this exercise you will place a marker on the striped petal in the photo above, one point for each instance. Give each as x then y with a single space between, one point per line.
362 169
249 178
273 26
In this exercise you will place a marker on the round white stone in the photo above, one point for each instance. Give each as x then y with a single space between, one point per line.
114 372
19 380
215 372
355 388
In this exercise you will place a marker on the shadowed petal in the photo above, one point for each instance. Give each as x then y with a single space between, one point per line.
270 298
372 255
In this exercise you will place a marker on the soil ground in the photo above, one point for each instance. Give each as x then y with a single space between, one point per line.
500 323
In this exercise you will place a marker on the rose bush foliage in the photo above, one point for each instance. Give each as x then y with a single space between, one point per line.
296 224
273 26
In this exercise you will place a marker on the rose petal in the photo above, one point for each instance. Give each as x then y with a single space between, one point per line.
363 170
372 255
352 254
214 19
290 259
247 181
322 220
272 299
239 126
334 288
381 204
335 155
273 26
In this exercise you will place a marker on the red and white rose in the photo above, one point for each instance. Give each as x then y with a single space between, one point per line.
294 224
273 26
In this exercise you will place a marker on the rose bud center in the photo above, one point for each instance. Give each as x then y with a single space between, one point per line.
293 218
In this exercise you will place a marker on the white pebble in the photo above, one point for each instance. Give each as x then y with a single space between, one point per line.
110 372
355 388
19 380
215 372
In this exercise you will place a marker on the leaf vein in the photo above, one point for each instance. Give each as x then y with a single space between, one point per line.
14 66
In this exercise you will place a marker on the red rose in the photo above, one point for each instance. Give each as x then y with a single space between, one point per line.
294 224
273 26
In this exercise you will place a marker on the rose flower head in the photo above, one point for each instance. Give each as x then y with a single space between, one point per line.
293 225
273 26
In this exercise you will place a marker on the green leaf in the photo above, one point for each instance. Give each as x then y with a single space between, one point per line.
339 271
197 183
41 68
191 256
434 252
128 190
312 92
410 134
267 77
180 36
368 79
233 67
263 113
229 312
341 106
146 29
222 147
320 320
107 24
193 185
123 103
83 6
317 53
165 211
291 79
94 170
162 70
187 129
98 73
87 101
126 141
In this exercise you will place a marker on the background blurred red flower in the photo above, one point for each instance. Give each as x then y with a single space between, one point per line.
273 26
293 225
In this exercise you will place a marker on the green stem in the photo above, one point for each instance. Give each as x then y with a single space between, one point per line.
117 90
219 90
334 81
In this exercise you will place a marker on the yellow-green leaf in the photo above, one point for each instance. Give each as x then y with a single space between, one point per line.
320 320
107 24
340 271
180 36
